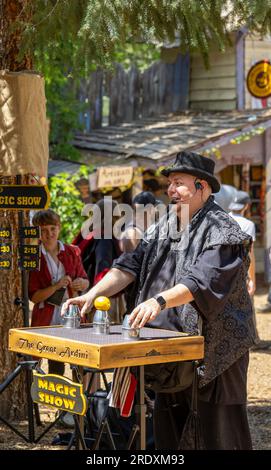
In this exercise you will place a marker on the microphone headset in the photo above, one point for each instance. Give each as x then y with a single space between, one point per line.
198 187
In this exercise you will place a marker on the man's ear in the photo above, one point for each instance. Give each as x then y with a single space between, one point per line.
204 184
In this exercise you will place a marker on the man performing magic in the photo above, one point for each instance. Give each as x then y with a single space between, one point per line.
194 280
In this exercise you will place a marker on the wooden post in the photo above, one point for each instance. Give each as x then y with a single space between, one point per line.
245 177
240 68
181 82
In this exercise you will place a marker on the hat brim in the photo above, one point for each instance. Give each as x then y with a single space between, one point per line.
213 182
235 206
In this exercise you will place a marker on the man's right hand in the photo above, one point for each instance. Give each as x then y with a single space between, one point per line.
84 302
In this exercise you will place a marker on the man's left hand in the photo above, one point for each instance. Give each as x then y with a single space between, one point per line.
145 312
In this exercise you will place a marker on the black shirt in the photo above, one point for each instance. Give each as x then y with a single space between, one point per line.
209 281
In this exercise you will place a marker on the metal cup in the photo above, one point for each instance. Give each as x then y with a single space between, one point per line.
128 333
101 323
72 317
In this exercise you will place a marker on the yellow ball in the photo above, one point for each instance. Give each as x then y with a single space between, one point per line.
102 303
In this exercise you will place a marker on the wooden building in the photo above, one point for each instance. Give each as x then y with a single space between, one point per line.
223 85
183 105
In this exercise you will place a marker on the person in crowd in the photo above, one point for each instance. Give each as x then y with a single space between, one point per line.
60 277
192 278
266 308
144 208
143 205
238 208
225 196
99 250
151 185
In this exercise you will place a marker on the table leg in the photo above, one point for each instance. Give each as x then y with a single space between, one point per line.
78 377
140 410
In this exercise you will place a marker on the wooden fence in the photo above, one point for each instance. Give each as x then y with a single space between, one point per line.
160 89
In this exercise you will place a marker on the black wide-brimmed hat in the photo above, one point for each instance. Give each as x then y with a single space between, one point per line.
196 165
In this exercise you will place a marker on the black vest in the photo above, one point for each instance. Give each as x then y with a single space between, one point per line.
232 332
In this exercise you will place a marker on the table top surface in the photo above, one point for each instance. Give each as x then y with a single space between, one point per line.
85 334
83 347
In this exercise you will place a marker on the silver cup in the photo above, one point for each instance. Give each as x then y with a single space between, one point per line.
128 333
72 317
101 323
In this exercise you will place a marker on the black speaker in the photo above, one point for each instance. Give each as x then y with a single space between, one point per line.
198 185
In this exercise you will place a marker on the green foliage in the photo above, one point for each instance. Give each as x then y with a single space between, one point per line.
63 106
65 200
97 28
88 33
241 137
140 55
63 110
244 136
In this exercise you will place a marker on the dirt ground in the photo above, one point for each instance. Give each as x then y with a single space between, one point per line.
259 395
259 379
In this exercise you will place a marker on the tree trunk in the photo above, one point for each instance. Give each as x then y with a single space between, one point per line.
11 37
13 400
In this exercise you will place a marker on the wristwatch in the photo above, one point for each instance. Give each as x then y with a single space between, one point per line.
161 301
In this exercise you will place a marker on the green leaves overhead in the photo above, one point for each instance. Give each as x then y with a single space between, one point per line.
93 29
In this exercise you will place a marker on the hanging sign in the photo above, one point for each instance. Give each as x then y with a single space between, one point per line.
114 176
259 79
58 392
5 233
29 264
29 232
29 257
29 250
5 249
24 197
5 263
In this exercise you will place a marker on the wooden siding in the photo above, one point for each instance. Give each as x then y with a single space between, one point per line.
213 88
255 49
222 105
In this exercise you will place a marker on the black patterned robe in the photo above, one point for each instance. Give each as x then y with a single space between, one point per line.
211 258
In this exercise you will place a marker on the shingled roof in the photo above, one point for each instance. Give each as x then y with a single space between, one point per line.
156 140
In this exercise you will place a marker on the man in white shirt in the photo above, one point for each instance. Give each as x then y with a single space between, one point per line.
238 208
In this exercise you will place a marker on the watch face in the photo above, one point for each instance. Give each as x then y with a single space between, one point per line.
161 301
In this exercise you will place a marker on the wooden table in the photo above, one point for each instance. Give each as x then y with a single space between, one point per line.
86 349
